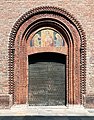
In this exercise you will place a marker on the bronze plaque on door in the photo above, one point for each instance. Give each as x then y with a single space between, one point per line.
46 83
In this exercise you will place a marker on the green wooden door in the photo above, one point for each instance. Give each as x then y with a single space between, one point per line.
46 82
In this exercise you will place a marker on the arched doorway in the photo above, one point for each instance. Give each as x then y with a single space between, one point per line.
25 41
47 79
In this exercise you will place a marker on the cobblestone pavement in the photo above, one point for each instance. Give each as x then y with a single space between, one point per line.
46 118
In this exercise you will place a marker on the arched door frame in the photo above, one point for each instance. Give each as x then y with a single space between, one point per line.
74 35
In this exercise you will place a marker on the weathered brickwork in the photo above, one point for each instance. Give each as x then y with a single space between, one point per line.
11 10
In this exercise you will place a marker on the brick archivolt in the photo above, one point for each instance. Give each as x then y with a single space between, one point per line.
66 24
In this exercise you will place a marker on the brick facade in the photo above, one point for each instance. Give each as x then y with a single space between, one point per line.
10 11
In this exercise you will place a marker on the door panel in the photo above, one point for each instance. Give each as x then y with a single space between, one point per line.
46 83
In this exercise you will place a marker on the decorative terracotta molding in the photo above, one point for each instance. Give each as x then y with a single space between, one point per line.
45 12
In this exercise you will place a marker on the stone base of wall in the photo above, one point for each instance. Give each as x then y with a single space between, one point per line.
5 101
89 101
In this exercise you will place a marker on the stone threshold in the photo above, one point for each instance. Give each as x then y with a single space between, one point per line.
26 110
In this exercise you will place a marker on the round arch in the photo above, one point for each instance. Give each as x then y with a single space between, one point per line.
70 28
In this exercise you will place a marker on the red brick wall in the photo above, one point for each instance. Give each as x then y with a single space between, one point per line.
11 10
